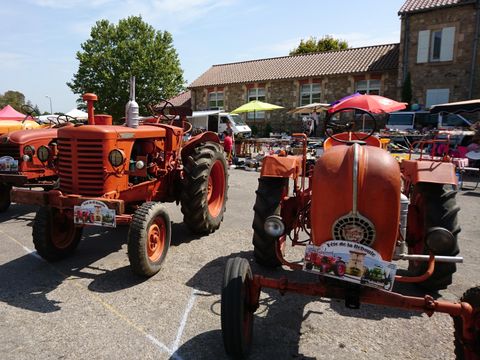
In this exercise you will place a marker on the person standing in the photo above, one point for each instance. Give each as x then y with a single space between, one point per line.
228 146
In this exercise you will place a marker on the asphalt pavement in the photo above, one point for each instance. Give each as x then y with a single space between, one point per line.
91 306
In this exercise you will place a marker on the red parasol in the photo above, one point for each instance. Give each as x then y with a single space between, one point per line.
371 103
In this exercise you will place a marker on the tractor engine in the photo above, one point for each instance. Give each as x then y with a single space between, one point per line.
356 197
104 160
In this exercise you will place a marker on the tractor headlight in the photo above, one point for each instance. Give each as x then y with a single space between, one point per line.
139 164
26 158
440 240
43 153
116 157
29 150
274 226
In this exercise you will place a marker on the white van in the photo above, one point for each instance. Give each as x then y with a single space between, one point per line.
216 121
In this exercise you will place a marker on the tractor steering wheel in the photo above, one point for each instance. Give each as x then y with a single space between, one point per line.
29 111
66 118
164 108
332 126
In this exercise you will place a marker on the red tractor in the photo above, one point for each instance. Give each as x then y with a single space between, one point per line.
325 263
354 200
116 175
27 157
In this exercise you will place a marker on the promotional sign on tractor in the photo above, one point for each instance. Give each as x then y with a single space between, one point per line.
94 212
350 261
8 163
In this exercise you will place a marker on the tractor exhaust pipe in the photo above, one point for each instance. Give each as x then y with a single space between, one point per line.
90 98
131 109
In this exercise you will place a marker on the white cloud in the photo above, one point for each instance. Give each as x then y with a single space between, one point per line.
357 39
69 4
11 60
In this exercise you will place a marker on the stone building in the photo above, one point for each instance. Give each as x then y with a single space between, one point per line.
291 81
438 48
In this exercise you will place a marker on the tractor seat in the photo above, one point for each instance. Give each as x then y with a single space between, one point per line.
371 141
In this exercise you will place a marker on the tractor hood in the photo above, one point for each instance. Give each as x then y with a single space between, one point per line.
356 197
27 136
111 132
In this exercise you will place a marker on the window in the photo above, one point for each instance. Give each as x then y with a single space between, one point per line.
256 94
437 96
309 93
215 100
435 45
371 87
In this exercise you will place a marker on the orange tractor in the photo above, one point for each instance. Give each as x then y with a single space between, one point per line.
358 204
111 175
28 157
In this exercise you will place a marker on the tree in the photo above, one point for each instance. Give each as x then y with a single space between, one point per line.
326 43
13 98
115 52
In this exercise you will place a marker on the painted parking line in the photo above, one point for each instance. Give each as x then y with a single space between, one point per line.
116 313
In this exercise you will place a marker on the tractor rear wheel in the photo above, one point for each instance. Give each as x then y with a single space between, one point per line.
205 188
269 195
236 312
471 296
432 205
55 236
149 238
5 197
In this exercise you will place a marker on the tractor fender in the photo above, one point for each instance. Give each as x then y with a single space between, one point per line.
428 171
282 166
190 145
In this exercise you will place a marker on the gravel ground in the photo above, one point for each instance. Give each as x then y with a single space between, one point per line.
92 306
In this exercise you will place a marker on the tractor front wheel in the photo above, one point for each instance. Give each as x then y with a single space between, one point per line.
205 187
148 238
432 205
236 312
463 349
55 236
4 197
269 196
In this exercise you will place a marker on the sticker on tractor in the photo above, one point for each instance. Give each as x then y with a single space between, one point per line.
94 212
8 163
350 261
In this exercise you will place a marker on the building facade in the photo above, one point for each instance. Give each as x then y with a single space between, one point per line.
438 48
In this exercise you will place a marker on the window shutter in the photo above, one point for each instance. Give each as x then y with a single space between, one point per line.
437 96
422 51
448 39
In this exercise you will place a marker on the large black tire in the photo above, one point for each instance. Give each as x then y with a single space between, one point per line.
269 196
149 238
434 205
55 236
4 197
471 296
236 313
205 188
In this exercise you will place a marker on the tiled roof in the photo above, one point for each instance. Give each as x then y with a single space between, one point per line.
411 6
349 61
184 99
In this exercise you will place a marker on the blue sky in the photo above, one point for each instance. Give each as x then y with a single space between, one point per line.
41 37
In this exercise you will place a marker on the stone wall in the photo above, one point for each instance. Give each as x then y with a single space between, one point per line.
286 93
455 74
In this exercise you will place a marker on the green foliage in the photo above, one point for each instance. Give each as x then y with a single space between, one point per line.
115 52
13 98
326 43
407 90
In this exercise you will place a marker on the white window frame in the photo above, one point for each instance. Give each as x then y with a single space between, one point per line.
218 96
369 86
307 90
256 94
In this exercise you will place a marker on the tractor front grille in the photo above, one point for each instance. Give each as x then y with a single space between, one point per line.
80 166
12 150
